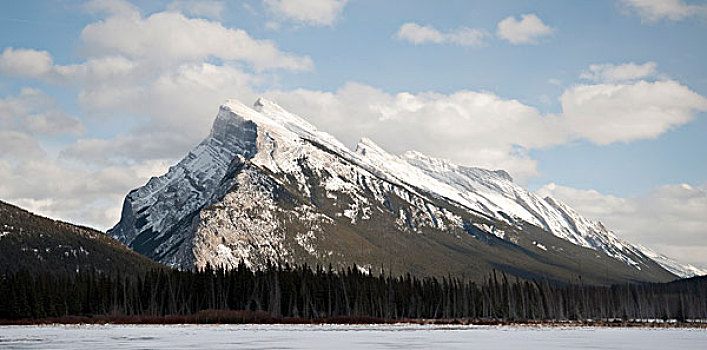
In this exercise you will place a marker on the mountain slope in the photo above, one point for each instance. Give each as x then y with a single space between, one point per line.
266 187
674 267
34 243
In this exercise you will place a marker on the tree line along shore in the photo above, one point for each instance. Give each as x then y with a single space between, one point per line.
323 295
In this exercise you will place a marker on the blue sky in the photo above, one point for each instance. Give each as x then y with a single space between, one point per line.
594 102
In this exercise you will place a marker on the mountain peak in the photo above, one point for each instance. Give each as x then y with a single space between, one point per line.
267 115
504 174
262 103
237 107
267 186
233 112
366 147
281 116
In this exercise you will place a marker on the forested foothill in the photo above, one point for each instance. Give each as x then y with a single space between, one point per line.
318 294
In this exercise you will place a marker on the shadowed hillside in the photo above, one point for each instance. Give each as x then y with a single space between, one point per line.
38 244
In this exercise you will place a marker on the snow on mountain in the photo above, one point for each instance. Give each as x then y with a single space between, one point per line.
494 193
164 201
174 215
676 268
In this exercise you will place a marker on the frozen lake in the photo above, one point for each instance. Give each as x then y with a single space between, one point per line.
345 337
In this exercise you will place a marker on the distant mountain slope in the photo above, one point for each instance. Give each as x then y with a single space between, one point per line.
674 267
267 187
35 243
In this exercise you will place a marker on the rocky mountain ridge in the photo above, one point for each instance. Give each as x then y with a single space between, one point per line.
267 187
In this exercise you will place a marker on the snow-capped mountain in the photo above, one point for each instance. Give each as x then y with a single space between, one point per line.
267 187
674 267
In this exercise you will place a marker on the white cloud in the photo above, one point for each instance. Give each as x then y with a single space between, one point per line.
657 10
34 112
198 8
138 69
140 78
483 129
590 203
54 123
170 124
525 31
124 79
33 178
606 113
22 62
478 128
14 108
112 7
168 37
670 219
418 34
96 70
18 145
40 65
77 194
622 73
307 12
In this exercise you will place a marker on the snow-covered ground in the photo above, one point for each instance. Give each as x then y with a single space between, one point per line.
346 337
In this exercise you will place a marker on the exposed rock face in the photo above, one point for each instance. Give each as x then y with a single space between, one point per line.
266 187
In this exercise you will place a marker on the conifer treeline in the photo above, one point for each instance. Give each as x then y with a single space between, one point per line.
318 293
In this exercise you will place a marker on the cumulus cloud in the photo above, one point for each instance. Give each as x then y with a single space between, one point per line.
36 64
483 129
34 112
154 73
168 37
136 70
658 10
32 178
17 107
307 12
112 7
17 145
621 73
96 70
479 128
418 34
670 219
77 194
198 8
527 30
127 77
171 124
54 123
28 63
606 113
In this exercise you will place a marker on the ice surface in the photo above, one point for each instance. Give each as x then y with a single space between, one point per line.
346 337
